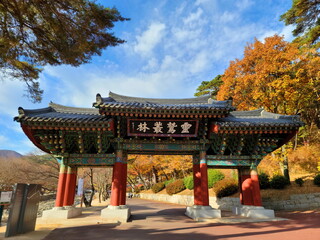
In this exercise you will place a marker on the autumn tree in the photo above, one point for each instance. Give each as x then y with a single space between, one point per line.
36 33
209 87
139 170
278 76
305 15
150 169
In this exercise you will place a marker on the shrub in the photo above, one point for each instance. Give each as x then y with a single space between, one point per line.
316 180
299 181
264 181
158 187
166 183
278 182
225 187
175 187
188 182
214 176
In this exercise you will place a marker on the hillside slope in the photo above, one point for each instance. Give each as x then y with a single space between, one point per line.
9 154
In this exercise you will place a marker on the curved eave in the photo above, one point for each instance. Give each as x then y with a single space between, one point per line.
29 133
60 117
256 121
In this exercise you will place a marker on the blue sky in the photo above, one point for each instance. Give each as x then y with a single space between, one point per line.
172 46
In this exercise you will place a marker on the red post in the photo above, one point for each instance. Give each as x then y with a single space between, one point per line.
74 184
256 187
250 189
123 187
204 179
67 189
70 188
61 185
240 185
116 182
197 181
247 194
246 187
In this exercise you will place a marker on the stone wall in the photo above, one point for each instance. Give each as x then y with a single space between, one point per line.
296 202
223 204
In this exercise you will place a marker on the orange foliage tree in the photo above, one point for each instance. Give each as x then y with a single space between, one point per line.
280 76
149 169
306 157
277 75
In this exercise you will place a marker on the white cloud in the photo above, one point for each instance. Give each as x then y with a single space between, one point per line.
149 39
194 18
287 33
199 63
244 4
11 97
199 2
3 139
228 17
152 65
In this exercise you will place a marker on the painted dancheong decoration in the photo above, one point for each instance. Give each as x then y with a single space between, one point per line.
119 125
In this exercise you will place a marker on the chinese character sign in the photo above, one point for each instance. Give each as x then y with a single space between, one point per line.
164 128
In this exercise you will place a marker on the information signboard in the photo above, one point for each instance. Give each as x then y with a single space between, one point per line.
5 197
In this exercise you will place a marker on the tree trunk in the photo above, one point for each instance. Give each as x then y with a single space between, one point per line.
165 174
285 164
92 187
155 175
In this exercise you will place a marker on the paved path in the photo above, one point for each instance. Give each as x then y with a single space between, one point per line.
154 220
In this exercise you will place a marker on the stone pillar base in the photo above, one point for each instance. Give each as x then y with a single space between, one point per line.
62 213
116 213
198 212
253 212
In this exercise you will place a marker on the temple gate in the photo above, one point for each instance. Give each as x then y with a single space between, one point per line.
211 131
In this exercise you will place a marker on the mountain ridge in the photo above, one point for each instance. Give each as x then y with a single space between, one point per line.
10 154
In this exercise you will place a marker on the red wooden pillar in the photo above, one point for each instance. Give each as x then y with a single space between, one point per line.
61 185
204 179
70 186
246 187
123 185
197 181
250 189
256 187
74 184
116 181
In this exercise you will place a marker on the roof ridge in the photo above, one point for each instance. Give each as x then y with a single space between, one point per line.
123 98
74 110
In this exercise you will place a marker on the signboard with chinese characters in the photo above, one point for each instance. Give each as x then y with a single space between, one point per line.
162 128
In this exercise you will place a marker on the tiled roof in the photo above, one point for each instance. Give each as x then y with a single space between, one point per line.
120 105
182 101
258 118
57 114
